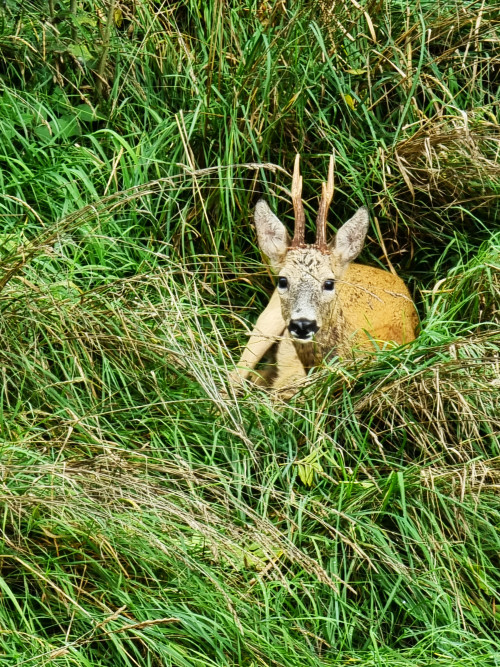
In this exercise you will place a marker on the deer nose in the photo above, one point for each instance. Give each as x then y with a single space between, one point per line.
302 329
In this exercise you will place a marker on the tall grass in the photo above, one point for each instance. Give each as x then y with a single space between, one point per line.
151 516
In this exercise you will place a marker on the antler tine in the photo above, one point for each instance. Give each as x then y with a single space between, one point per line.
300 218
327 190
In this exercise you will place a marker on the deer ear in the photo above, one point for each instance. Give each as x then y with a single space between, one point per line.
350 238
271 234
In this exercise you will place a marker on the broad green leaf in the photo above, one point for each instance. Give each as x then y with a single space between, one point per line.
350 101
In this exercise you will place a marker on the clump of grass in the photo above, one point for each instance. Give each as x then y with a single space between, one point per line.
149 518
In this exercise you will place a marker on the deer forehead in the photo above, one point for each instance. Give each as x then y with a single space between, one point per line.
307 263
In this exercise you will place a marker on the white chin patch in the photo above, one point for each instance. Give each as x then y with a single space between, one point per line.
302 340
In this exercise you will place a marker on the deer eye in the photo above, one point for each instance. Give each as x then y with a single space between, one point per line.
329 285
282 282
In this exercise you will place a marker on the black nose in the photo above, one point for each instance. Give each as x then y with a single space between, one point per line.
302 328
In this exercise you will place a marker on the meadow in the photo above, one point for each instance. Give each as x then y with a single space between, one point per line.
151 516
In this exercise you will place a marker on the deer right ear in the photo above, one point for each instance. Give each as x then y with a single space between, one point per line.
350 239
271 234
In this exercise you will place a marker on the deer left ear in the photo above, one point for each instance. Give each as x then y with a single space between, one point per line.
350 238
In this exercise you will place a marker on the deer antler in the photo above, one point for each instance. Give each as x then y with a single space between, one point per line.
326 199
300 218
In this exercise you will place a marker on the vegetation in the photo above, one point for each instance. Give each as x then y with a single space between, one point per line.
149 517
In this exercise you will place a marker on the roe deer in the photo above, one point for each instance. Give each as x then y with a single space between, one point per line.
323 305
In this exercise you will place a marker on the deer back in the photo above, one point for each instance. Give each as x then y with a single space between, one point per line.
376 307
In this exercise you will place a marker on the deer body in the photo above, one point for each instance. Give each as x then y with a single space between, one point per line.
324 305
372 308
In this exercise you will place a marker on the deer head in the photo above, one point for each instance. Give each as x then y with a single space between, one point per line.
307 273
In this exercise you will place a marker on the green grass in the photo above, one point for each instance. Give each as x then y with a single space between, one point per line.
148 518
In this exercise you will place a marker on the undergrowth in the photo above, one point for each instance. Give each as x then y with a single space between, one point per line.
153 517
